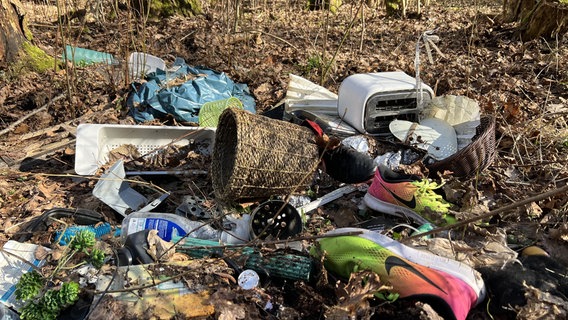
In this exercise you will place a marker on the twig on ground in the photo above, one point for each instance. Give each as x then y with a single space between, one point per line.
514 205
273 36
22 119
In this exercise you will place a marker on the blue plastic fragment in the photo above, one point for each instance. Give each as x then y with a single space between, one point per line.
424 228
157 97
86 56
67 234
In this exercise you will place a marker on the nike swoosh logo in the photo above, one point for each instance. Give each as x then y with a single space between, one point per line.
409 203
394 261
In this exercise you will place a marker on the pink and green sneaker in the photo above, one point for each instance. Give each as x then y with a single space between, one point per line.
451 287
405 196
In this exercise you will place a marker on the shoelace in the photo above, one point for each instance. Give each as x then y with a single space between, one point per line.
426 191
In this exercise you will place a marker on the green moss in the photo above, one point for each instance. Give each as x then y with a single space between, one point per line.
564 1
164 8
393 6
331 5
35 59
28 34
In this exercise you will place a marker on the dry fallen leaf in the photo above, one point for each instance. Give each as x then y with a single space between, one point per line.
560 233
542 305
159 248
533 210
354 297
512 110
69 151
46 189
41 252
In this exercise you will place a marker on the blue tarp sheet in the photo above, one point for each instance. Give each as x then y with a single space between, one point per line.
155 99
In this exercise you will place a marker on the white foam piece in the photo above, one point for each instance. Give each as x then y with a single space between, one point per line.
434 135
306 95
95 141
461 112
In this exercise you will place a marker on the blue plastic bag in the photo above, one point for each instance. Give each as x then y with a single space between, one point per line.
155 99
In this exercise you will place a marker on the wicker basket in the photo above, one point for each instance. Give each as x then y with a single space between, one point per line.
258 157
475 157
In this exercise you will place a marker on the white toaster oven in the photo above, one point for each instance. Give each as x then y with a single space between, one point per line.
370 101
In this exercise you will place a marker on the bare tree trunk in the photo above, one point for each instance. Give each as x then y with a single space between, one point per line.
544 18
13 30
16 48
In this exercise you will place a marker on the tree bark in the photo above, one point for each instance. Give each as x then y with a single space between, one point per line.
13 30
16 48
537 18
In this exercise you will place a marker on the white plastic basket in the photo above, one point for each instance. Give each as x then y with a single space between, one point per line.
95 141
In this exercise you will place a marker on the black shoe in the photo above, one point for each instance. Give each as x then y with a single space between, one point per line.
348 165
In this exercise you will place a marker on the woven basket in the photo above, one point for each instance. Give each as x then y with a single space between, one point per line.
475 157
258 157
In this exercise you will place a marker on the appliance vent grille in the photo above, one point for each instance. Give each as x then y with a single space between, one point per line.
394 104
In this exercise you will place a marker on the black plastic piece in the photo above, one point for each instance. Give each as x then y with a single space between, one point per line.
79 216
329 124
348 165
277 219
135 250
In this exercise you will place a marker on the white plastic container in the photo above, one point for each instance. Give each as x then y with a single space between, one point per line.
95 141
7 313
168 225
141 64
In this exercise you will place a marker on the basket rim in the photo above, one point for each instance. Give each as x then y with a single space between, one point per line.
481 139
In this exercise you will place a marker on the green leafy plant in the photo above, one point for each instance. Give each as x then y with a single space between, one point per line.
97 258
45 302
565 141
29 286
83 240
51 303
387 296
314 63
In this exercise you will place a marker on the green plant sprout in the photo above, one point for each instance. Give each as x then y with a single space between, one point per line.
43 302
83 240
388 296
97 258
29 286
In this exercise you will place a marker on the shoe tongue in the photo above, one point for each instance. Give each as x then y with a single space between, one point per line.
435 136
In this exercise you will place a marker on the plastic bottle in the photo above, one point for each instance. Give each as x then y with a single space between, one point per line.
87 56
168 225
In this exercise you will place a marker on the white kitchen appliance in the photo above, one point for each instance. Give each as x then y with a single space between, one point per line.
370 101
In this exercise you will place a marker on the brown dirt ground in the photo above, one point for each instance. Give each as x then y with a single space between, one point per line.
524 84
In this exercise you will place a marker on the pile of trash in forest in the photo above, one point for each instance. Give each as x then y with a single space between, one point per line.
380 151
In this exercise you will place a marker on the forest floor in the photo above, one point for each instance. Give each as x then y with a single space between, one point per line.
524 85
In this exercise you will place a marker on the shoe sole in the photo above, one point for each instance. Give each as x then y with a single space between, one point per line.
393 209
427 259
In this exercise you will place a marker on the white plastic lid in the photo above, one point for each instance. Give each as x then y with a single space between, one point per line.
248 279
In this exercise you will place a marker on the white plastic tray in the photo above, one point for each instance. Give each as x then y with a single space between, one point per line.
95 141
